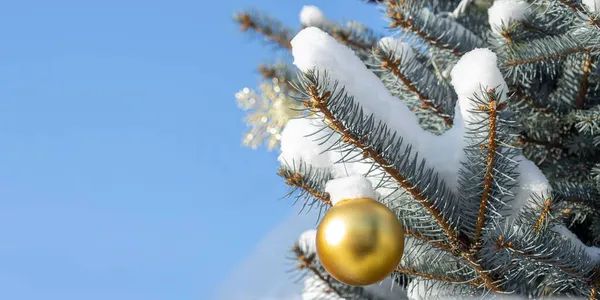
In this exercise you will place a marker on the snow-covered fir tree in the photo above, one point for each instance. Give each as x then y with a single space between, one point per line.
476 121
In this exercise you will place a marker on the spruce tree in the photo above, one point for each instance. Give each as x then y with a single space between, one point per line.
476 121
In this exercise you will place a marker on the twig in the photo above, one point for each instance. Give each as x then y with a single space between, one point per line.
343 36
583 86
492 110
413 272
543 215
296 180
514 63
247 22
525 139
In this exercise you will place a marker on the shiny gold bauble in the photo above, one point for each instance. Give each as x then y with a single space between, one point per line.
360 241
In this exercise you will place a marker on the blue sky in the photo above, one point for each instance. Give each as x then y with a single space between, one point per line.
121 170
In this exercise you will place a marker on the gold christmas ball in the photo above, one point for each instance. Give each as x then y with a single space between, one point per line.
360 241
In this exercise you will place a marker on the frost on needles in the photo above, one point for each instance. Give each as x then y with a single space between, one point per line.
477 122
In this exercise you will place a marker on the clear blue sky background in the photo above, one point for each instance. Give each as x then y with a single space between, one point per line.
121 170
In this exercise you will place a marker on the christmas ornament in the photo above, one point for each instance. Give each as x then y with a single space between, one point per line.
360 241
268 112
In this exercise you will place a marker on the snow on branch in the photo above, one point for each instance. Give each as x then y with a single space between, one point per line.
399 48
472 76
592 5
351 187
504 12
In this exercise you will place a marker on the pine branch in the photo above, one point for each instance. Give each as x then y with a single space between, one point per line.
489 282
525 139
521 97
572 5
487 176
399 21
534 60
536 29
345 36
442 33
439 245
545 211
533 27
545 125
306 263
440 278
577 8
393 65
297 180
587 121
424 261
271 29
532 255
309 182
548 250
522 31
274 31
542 58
